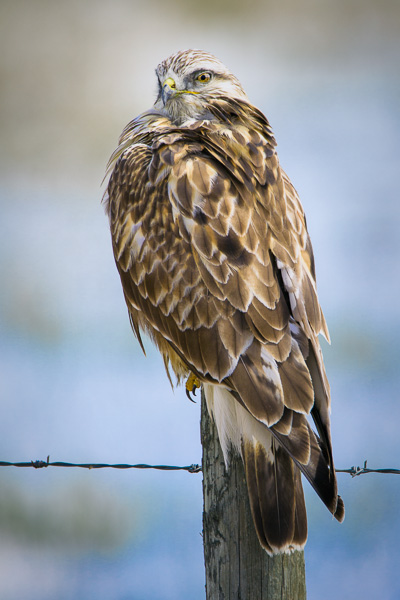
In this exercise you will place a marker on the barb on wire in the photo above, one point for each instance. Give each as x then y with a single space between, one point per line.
355 471
195 468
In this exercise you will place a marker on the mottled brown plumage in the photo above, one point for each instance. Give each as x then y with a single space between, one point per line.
216 265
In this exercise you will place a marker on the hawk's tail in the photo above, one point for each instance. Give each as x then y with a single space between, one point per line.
276 497
273 479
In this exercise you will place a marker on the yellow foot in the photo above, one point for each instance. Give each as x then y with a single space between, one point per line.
192 383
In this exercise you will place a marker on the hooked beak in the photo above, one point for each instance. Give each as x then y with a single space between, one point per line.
168 90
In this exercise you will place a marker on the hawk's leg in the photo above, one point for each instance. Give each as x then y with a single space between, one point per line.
192 383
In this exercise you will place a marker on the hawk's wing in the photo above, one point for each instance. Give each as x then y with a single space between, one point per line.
216 264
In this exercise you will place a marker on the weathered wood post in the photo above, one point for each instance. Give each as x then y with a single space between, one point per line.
237 568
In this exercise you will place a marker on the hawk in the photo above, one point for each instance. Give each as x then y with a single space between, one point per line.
217 267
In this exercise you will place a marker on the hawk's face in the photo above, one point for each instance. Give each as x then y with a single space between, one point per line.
187 80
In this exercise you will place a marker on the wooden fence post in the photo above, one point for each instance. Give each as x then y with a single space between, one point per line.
237 568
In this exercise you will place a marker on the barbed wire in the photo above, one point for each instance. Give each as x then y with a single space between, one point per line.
194 468
40 464
355 471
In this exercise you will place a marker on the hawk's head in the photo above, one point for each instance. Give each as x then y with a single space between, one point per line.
188 79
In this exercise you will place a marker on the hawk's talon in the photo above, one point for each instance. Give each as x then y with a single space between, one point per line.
188 395
192 384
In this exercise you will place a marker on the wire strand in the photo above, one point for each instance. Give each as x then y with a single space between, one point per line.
40 464
355 471
194 468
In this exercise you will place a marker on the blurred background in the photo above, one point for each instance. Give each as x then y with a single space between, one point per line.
73 382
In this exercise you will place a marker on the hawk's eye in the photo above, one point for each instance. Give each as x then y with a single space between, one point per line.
204 77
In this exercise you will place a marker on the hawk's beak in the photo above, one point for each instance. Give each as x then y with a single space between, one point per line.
168 89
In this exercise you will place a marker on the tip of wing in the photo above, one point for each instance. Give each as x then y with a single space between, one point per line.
339 513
